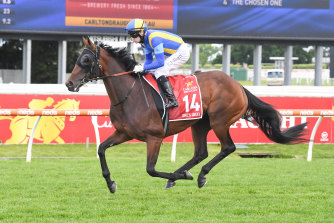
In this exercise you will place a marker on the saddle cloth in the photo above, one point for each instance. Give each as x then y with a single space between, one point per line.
187 93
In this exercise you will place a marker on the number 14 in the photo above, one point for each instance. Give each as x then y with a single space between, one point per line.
194 105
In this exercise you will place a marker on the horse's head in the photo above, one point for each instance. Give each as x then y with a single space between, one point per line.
86 67
98 62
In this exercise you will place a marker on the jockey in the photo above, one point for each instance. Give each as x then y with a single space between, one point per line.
169 50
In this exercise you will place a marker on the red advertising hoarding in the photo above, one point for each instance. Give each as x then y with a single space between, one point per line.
76 129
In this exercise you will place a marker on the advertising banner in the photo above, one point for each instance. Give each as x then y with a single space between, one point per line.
263 19
76 129
108 17
157 14
218 19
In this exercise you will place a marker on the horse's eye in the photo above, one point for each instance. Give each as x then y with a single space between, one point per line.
86 60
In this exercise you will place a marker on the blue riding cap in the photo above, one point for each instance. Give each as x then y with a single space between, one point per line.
136 25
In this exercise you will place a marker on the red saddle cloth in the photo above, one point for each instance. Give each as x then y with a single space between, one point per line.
187 93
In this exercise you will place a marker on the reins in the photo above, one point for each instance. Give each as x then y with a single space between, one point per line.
105 77
94 71
126 96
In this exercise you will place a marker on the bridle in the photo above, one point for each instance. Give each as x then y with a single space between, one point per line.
93 66
89 61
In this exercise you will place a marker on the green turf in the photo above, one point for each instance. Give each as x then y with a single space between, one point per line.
238 190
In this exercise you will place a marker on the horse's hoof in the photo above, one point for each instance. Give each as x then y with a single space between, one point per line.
169 184
201 182
112 187
188 175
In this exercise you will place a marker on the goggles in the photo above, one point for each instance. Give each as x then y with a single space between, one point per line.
133 34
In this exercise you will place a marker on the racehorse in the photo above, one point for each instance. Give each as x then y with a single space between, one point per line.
135 116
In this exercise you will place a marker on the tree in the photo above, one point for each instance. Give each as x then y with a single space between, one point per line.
218 59
44 58
11 54
272 51
244 54
44 68
74 49
207 51
44 63
239 54
304 56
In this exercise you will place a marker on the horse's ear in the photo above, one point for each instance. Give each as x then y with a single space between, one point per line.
88 42
85 40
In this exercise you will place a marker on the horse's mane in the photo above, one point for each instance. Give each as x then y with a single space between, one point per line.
121 55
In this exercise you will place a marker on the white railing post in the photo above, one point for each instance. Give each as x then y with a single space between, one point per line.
97 134
31 139
173 154
310 145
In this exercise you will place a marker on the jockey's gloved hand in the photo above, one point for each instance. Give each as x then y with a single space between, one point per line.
138 68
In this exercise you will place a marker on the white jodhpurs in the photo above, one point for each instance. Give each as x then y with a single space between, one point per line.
172 62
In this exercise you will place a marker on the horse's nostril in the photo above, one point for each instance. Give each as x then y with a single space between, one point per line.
70 83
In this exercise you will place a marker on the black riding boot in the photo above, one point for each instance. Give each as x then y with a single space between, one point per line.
167 87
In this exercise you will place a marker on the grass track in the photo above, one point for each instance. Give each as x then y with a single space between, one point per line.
238 190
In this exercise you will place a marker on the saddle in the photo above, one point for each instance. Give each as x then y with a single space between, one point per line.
187 93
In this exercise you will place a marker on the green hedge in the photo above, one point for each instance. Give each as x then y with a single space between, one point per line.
219 66
307 66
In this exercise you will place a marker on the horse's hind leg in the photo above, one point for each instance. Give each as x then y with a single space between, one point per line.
115 139
199 134
227 147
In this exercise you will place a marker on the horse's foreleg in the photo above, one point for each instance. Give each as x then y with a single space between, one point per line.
199 134
115 139
227 149
153 148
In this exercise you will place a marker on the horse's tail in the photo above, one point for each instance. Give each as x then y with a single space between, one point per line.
269 121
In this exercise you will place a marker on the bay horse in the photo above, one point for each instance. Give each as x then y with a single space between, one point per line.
135 116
